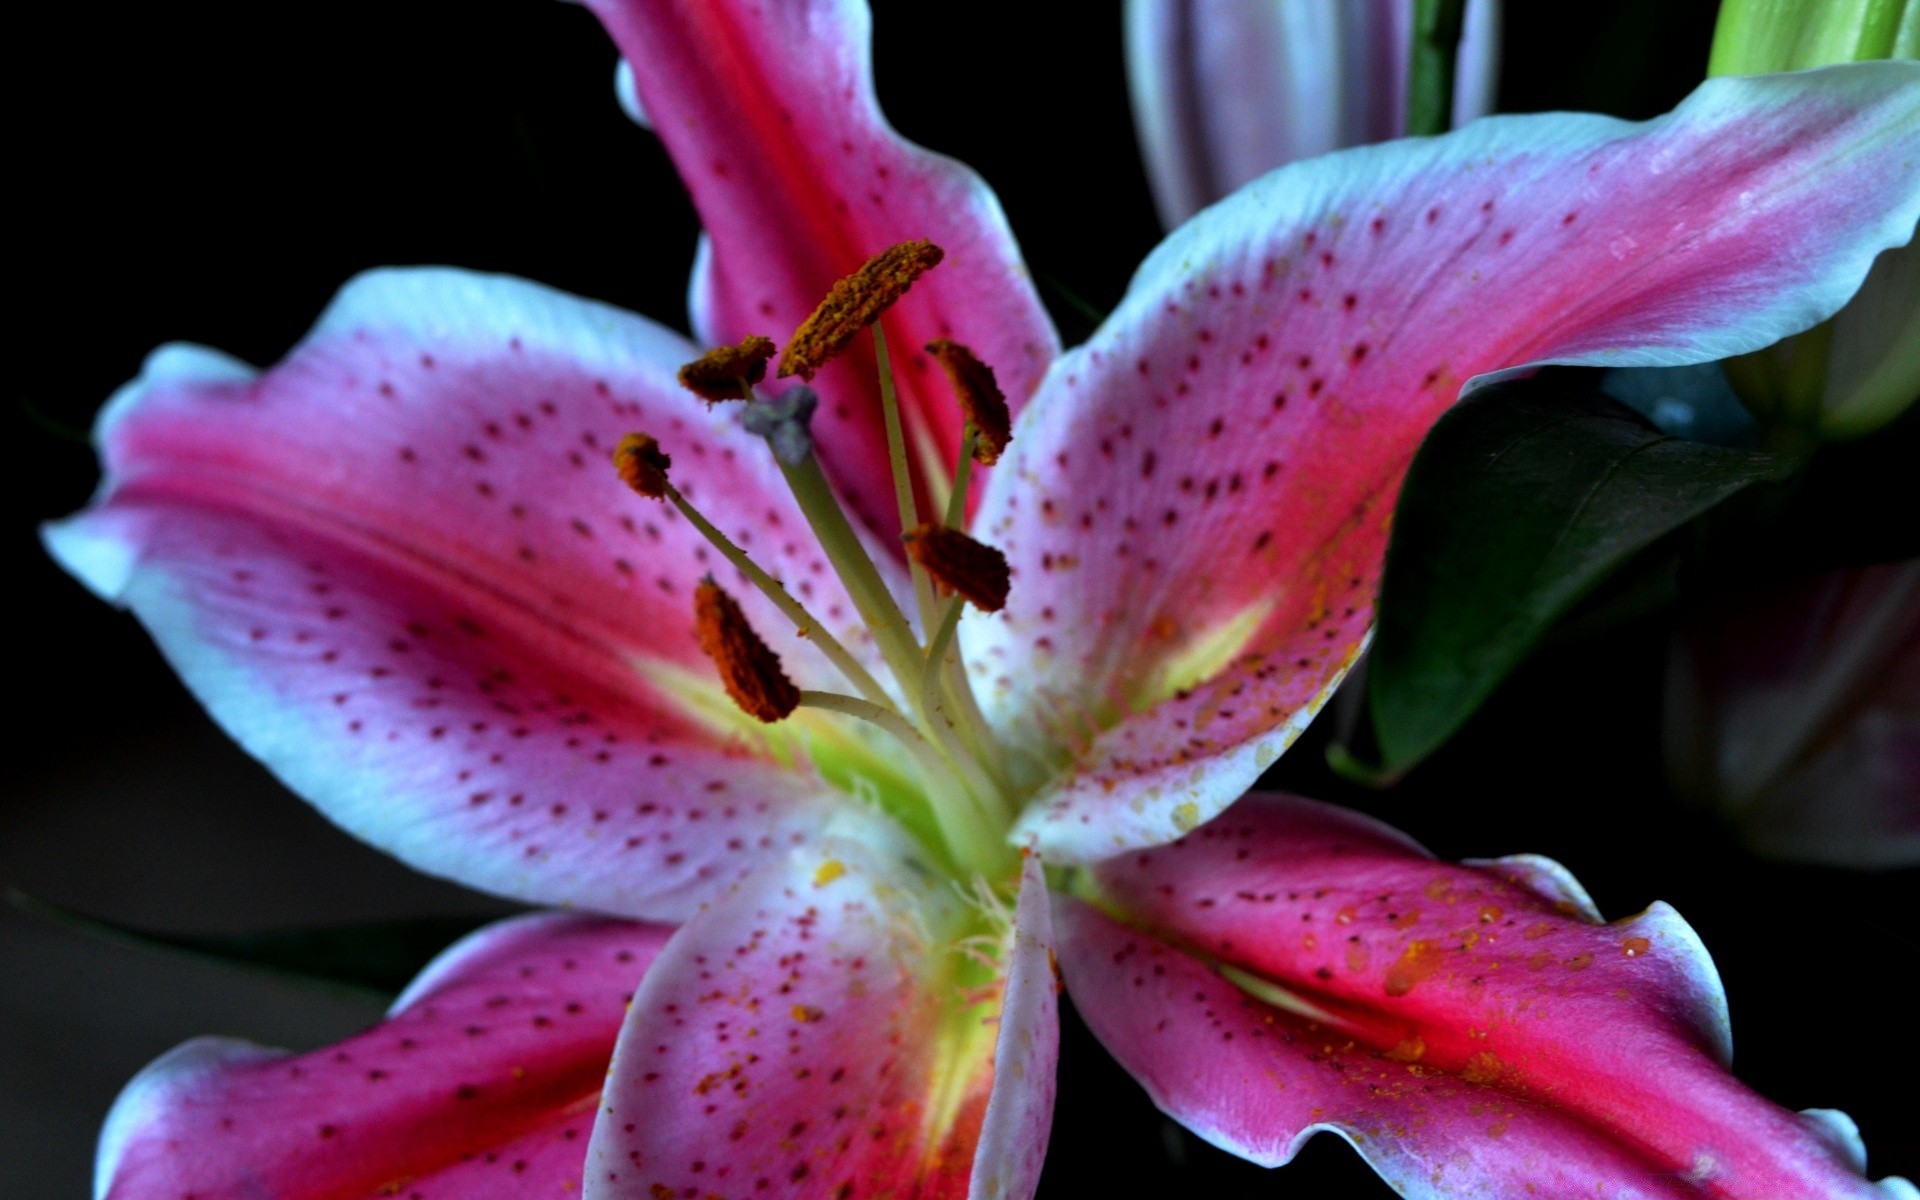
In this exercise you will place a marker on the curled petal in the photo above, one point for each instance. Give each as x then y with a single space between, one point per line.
480 1083
401 570
819 1032
1195 507
767 108
1291 967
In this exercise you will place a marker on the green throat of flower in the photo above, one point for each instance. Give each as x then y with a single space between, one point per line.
942 775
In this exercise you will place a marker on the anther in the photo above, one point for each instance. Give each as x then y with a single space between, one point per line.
981 400
642 465
855 303
728 372
785 422
750 671
960 565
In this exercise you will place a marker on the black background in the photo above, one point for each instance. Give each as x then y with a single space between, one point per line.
212 172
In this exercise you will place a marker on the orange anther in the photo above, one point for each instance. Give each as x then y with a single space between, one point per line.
642 465
959 564
855 303
980 398
750 671
728 372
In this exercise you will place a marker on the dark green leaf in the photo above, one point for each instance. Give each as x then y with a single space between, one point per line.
376 956
1522 500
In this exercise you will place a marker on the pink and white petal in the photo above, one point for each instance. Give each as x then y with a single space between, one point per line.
1195 506
1470 1036
400 570
1026 1054
812 1033
768 109
480 1083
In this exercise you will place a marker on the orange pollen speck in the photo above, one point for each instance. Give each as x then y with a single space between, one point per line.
855 303
959 564
749 671
980 398
642 465
727 372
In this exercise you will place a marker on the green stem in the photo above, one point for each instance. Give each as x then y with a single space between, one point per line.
962 479
1436 45
902 473
810 628
849 558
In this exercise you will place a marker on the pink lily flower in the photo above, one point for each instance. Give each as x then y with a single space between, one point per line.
1225 91
398 568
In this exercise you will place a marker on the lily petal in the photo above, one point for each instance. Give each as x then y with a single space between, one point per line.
1026 1053
1226 90
480 1083
401 571
818 1032
768 110
1207 484
1471 1036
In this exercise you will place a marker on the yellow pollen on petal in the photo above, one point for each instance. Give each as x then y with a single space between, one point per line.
980 397
854 303
728 372
749 670
828 871
642 465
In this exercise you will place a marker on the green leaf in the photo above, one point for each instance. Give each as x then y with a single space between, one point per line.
1523 499
374 956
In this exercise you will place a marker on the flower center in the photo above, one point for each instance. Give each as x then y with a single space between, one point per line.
960 800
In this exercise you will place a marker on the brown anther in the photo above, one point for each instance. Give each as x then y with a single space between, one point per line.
728 372
981 400
855 303
959 564
749 671
642 465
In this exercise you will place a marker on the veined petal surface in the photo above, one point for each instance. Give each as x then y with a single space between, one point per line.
1196 504
480 1084
400 569
768 109
1474 1031
819 1032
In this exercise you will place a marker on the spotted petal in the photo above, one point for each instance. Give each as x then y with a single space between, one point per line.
1472 1030
480 1083
400 569
1195 507
819 1033
768 110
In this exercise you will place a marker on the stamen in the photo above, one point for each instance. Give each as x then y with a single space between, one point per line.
728 372
980 398
749 671
786 423
643 465
902 474
961 565
855 303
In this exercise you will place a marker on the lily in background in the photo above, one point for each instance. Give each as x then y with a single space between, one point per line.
1794 710
1226 90
400 569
